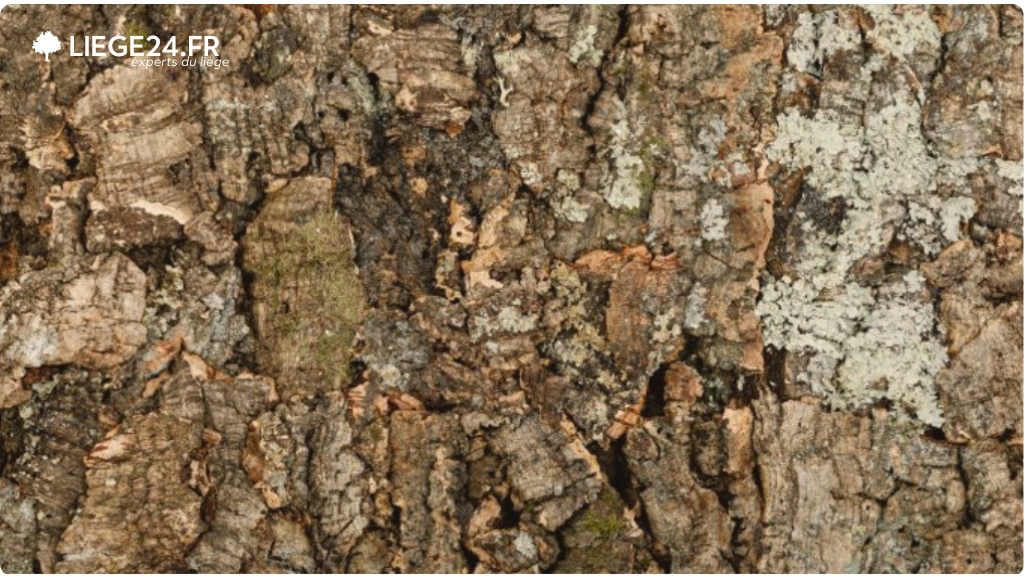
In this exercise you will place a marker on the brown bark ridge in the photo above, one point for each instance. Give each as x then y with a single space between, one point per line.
473 289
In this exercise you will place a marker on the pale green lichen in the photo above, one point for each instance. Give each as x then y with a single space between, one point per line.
705 160
775 14
567 183
665 328
818 37
574 211
524 545
568 180
902 33
508 320
882 171
625 191
667 331
859 338
954 212
1014 172
584 49
512 320
696 307
703 155
933 221
629 174
866 343
713 221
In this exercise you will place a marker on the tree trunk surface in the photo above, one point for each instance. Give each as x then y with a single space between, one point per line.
512 289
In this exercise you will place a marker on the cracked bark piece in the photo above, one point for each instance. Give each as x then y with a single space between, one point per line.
276 455
291 550
307 294
146 147
685 517
230 117
610 346
992 496
513 551
138 515
231 507
50 468
550 469
17 529
961 84
195 309
68 209
328 26
546 97
251 129
960 272
36 146
88 313
641 331
220 246
865 476
338 487
980 390
425 71
428 475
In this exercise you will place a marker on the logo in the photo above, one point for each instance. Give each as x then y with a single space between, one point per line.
154 52
47 43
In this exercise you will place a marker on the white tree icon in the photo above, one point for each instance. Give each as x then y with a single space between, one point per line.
45 44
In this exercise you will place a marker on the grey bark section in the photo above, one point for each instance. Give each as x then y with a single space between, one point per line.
514 289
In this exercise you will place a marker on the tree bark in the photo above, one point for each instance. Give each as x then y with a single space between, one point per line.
513 289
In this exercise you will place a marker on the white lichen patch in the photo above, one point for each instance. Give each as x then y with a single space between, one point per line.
902 33
818 37
896 343
934 222
1014 172
568 180
884 342
665 328
954 212
509 320
567 183
512 320
696 307
702 158
524 546
574 211
713 221
625 190
793 316
832 150
584 49
867 343
666 334
882 171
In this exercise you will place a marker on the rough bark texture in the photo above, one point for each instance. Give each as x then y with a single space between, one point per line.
513 289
